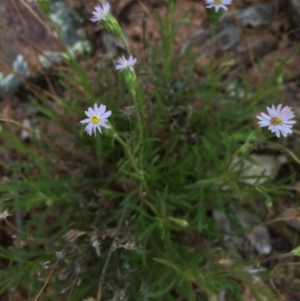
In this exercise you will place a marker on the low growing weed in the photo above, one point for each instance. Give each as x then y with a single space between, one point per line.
122 211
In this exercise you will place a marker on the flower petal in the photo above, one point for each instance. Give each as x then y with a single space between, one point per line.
85 120
101 110
105 115
267 117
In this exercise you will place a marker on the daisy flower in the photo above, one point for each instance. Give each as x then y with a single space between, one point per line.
217 4
100 13
278 121
123 63
97 118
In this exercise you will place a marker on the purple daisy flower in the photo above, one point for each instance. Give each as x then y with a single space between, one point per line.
217 4
100 13
97 118
279 120
124 63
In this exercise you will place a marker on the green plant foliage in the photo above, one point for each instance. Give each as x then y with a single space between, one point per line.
127 215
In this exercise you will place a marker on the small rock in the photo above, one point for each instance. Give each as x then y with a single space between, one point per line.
261 240
222 221
228 33
255 15
258 168
30 43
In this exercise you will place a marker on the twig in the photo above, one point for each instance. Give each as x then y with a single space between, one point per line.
47 280
99 294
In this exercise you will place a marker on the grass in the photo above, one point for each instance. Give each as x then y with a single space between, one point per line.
129 216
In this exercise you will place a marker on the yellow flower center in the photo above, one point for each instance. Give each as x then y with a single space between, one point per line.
276 121
95 119
218 1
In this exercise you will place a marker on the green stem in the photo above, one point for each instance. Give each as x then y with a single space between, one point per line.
135 104
212 44
245 149
139 121
130 157
259 140
212 78
125 44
